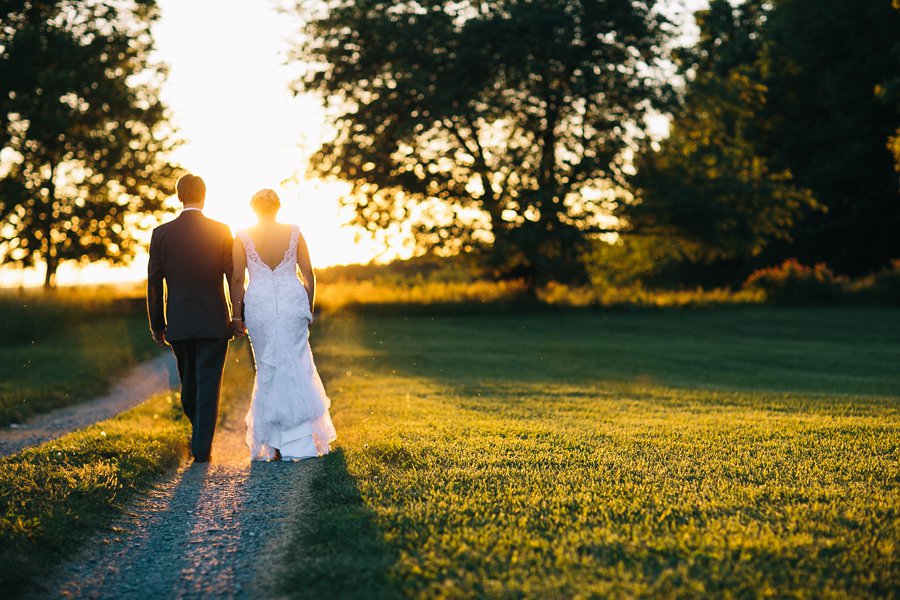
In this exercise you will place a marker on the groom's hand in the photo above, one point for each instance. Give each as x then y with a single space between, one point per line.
238 328
160 338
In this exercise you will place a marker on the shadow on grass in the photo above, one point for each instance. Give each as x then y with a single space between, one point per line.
827 350
337 550
80 363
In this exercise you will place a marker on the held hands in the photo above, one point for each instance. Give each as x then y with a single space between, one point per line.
160 338
238 327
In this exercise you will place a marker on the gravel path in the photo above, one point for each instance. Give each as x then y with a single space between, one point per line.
212 531
146 379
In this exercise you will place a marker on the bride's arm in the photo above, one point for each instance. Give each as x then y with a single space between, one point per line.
236 285
309 277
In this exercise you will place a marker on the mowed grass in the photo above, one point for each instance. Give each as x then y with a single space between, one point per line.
78 364
54 497
730 453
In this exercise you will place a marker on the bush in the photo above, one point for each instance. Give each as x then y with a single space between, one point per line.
882 287
795 283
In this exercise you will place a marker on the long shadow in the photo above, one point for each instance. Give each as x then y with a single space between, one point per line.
818 351
131 560
335 549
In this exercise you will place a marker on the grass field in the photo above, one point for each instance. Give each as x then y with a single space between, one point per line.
55 496
727 453
67 346
74 366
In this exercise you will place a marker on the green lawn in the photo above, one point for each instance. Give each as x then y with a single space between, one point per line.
76 365
733 452
55 496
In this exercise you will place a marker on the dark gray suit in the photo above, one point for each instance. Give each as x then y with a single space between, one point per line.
192 255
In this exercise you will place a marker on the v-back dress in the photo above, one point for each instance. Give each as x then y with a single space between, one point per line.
289 406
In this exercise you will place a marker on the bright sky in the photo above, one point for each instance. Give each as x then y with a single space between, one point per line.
228 93
228 88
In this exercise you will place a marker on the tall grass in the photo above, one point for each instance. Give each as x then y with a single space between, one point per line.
417 294
346 294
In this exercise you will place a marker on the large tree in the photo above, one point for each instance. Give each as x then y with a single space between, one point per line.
499 126
84 135
786 102
825 61
709 187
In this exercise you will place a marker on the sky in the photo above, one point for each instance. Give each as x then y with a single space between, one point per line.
228 92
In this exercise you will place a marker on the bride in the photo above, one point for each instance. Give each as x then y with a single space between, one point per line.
288 417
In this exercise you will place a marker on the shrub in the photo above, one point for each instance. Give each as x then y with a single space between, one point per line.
795 283
882 287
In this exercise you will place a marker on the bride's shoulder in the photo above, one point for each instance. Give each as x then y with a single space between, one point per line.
292 228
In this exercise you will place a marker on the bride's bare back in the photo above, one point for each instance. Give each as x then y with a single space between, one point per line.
271 241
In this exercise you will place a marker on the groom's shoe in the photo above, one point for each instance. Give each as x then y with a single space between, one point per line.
201 459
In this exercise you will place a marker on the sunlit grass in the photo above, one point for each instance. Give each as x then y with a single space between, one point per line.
638 296
437 295
78 364
738 453
342 294
55 495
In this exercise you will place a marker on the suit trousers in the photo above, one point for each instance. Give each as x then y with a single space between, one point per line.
200 366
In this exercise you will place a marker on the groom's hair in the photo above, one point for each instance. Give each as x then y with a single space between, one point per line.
191 189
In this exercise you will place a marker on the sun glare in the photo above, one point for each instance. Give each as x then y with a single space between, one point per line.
242 129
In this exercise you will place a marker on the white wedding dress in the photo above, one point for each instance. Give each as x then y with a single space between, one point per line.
289 407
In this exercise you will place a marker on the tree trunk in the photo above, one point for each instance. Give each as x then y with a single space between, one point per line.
50 254
50 273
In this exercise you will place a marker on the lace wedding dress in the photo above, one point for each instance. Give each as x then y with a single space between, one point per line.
289 407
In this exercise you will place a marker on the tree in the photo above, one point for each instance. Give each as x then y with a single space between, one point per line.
494 126
825 61
709 187
84 135
889 92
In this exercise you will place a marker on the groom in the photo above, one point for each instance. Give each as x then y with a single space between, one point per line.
192 255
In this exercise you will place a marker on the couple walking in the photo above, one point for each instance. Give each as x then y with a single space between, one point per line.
288 417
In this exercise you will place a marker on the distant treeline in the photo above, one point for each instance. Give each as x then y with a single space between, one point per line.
786 144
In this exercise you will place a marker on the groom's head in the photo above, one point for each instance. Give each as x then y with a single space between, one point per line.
191 190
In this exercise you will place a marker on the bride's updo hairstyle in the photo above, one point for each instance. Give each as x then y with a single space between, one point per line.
265 203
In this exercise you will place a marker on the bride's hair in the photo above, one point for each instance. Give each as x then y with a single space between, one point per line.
265 202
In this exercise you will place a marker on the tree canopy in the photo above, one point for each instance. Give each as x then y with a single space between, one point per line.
83 133
709 185
498 127
781 146
825 61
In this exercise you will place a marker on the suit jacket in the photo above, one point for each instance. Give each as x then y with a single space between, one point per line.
192 254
